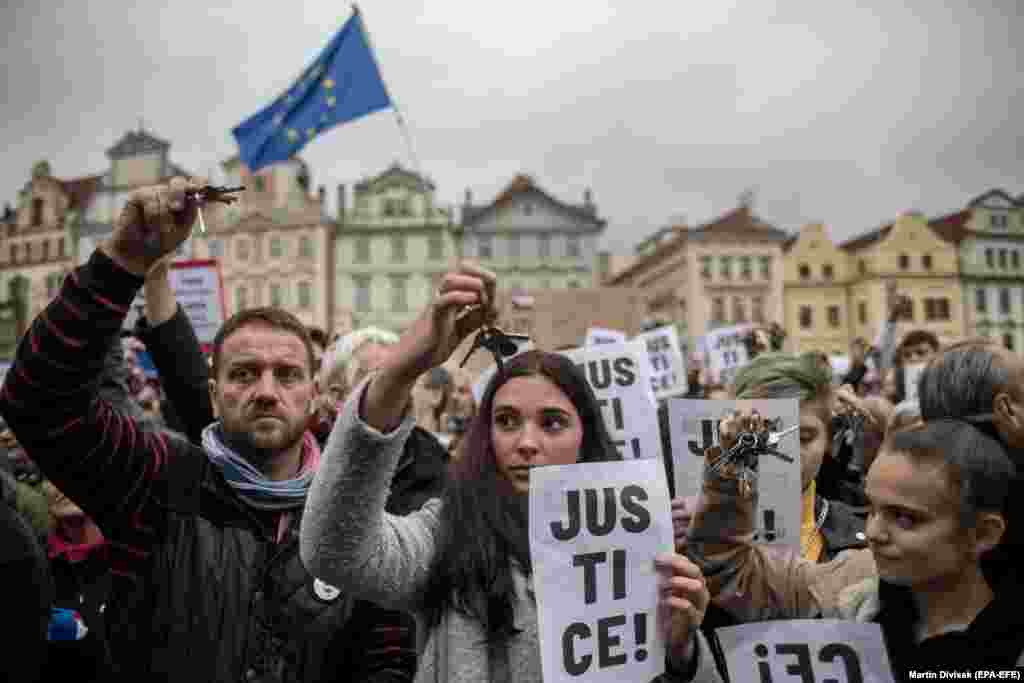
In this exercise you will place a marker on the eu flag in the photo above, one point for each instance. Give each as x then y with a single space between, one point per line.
343 84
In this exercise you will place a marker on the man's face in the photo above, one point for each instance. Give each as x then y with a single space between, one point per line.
922 352
1009 408
263 391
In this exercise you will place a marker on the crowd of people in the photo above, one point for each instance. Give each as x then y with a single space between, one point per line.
296 506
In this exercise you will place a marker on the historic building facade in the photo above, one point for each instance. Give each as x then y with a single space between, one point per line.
533 240
816 283
391 249
724 272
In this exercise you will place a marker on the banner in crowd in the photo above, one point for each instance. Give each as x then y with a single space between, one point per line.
726 352
600 335
911 376
668 366
810 650
595 529
198 288
620 376
694 428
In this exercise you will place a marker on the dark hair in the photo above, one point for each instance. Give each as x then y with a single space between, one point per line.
915 337
274 317
318 337
963 380
484 528
979 468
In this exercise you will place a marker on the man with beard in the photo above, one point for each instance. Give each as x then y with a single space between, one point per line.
209 585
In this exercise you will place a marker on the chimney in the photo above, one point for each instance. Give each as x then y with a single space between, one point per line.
588 200
341 204
469 197
321 195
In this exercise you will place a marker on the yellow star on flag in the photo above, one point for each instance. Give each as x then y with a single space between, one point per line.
292 134
331 100
328 83
310 132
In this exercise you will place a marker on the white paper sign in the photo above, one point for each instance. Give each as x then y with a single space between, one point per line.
620 375
911 375
694 426
808 650
595 529
198 289
668 367
726 352
600 335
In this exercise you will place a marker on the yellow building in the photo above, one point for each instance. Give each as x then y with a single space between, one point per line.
816 280
836 294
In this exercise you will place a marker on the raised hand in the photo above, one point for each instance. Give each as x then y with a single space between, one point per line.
153 223
684 600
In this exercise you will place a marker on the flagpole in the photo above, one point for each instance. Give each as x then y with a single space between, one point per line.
399 118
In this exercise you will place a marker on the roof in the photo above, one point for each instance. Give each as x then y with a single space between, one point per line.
995 194
80 190
397 171
951 227
137 142
524 184
867 239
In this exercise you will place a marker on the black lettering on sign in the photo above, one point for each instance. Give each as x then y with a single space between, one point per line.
606 640
708 429
850 661
574 666
618 421
598 523
804 666
589 562
625 372
634 444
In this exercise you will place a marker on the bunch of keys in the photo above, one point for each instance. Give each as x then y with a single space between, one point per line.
501 344
211 193
746 452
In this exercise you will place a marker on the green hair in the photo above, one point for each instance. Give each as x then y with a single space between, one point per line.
783 375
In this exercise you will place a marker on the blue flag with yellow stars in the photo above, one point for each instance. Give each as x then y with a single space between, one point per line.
343 84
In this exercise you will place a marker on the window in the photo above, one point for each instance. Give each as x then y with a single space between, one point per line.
904 261
926 261
37 212
936 309
757 306
980 300
705 267
216 248
572 246
990 258
398 249
305 295
862 266
833 316
806 317
305 247
390 208
275 247
399 300
718 310
241 298
862 312
46 250
513 247
544 246
1008 341
573 284
14 253
485 250
999 221
260 183
725 266
911 305
804 271
60 248
435 247
242 250
739 310
766 267
827 271
362 254
362 293
1002 259
745 270
1004 300
1015 259
276 295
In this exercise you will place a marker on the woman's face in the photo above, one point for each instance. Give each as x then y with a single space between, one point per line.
533 424
913 528
814 439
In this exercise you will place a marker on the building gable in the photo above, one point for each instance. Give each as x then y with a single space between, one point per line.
812 254
523 206
994 199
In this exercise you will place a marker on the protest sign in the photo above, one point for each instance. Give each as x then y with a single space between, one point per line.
620 375
811 650
668 367
592 548
726 352
198 289
911 376
694 428
600 335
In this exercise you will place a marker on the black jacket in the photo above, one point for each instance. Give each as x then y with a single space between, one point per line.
203 591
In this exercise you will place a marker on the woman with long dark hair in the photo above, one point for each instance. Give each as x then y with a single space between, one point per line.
461 563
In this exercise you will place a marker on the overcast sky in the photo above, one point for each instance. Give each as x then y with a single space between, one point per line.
845 112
